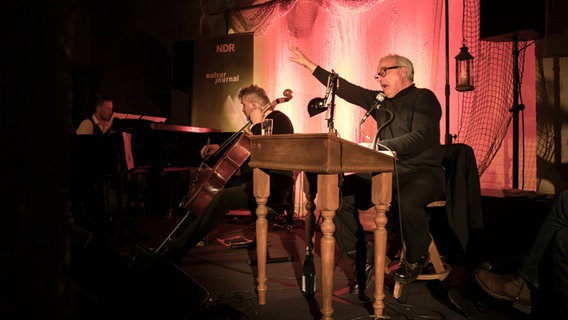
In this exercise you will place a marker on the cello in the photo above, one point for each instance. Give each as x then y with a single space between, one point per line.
209 180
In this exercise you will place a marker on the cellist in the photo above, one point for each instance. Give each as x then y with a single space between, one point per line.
256 107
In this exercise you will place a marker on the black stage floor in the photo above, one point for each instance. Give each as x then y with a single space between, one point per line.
215 281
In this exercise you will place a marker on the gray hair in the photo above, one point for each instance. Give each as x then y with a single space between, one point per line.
253 93
403 62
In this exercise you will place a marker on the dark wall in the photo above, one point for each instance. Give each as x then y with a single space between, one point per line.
36 104
127 46
56 55
551 113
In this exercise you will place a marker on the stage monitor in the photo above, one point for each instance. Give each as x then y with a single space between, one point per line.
505 20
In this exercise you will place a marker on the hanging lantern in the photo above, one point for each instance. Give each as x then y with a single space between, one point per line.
464 70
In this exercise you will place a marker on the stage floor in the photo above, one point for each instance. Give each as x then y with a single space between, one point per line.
215 281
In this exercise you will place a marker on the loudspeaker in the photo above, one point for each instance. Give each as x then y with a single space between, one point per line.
138 286
166 277
182 65
94 264
500 21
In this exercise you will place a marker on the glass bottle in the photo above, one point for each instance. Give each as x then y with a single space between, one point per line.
309 274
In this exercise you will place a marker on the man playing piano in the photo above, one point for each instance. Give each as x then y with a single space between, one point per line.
95 192
100 121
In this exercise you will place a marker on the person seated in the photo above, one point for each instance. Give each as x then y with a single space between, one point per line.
412 129
101 120
239 194
522 286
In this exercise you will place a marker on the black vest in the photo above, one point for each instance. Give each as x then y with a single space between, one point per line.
96 129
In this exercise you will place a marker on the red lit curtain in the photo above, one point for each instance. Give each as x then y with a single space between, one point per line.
348 37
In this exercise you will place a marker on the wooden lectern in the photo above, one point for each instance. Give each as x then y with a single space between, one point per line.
322 157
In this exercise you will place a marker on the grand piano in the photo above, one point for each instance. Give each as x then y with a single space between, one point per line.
139 167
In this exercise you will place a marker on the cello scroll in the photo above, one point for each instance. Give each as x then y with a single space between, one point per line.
287 97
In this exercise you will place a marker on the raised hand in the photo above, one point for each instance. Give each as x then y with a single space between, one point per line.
300 58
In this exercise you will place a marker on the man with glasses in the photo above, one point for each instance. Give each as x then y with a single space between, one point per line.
411 118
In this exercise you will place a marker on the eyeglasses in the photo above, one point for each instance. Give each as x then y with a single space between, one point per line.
383 71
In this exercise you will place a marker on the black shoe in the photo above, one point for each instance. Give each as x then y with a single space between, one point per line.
354 287
369 272
408 272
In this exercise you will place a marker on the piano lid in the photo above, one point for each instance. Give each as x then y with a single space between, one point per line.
130 116
131 125
180 128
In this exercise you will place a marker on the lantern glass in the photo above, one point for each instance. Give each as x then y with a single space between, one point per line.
464 70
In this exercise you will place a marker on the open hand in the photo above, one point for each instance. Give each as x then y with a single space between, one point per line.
300 58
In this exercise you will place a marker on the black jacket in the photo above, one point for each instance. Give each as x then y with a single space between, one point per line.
463 192
414 130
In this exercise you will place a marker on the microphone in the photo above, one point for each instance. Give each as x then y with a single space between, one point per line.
376 103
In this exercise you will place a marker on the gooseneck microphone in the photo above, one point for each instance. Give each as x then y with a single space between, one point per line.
376 103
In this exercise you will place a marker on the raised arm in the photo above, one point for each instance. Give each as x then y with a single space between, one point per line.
301 59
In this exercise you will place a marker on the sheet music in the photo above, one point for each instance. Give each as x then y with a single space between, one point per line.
138 117
370 146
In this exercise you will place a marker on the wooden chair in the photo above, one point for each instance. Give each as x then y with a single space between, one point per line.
441 269
462 199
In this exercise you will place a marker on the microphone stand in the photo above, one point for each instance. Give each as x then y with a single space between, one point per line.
332 87
515 109
375 144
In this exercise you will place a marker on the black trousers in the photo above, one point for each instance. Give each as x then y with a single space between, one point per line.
230 198
411 194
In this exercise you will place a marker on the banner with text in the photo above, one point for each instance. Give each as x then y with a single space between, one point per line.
221 67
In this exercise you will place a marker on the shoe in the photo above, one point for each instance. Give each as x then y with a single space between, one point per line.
369 272
408 272
505 287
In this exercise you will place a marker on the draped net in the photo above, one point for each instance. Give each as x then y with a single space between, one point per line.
349 37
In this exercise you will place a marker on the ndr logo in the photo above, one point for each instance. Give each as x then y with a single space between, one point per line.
225 47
